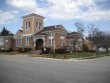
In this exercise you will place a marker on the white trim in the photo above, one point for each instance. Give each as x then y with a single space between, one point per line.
27 41
50 37
33 16
27 17
39 18
27 34
62 37
38 37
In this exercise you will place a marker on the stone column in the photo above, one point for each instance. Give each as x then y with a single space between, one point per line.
43 42
34 40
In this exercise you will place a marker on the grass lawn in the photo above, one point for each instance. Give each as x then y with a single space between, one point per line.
9 53
82 55
78 55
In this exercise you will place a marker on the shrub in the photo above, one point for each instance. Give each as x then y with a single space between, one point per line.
20 50
9 50
27 49
2 50
60 51
92 51
85 48
67 49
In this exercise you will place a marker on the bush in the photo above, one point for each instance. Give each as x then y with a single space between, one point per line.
60 51
67 49
9 50
92 51
27 49
2 50
85 48
46 50
20 50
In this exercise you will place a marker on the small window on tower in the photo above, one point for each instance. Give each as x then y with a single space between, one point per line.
37 24
26 25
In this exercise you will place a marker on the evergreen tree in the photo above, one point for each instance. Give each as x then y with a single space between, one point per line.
5 32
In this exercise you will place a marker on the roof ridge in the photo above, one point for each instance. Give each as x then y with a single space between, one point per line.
52 25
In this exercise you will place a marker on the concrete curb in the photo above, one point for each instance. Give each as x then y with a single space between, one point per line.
79 59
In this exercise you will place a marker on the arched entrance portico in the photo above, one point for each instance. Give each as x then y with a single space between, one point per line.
39 44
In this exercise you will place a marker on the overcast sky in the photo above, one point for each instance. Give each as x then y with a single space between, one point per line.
65 12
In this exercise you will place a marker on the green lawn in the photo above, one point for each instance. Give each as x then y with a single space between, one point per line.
9 53
78 55
68 55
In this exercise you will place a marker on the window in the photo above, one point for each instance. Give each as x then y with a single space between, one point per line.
38 25
1 41
6 43
50 34
19 41
70 42
28 25
62 41
49 42
27 41
62 34
52 41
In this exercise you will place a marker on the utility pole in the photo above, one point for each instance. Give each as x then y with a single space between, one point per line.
54 49
76 46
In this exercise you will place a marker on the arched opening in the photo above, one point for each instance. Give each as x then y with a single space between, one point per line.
39 44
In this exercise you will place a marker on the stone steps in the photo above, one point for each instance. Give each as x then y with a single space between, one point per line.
35 52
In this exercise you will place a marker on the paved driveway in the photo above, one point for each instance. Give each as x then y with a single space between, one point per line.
25 69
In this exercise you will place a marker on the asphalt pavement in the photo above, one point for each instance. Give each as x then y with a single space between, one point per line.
25 69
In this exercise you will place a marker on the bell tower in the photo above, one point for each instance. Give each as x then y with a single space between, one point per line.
32 23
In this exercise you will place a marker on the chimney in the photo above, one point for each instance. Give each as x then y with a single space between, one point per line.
55 26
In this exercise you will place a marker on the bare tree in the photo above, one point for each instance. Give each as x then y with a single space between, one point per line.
95 35
106 41
99 38
80 28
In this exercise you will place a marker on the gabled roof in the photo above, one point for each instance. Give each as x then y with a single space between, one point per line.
50 28
73 35
19 32
33 14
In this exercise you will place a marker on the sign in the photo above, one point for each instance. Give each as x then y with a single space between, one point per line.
78 44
